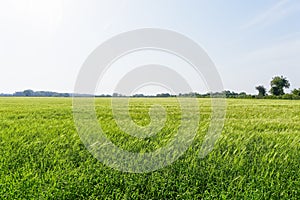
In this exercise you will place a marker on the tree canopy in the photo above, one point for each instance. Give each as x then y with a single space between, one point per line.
296 92
278 84
262 91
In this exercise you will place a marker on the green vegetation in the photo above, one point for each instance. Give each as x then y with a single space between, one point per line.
262 91
257 156
278 84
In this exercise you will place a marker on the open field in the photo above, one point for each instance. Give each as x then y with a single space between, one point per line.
257 156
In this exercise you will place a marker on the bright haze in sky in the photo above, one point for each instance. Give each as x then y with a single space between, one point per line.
43 43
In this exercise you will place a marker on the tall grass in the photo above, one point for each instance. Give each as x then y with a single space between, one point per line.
257 156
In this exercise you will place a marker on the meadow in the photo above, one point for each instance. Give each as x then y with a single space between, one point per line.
256 157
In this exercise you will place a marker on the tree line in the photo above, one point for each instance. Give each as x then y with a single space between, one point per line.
277 86
31 93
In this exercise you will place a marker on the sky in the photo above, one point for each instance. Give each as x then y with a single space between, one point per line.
43 43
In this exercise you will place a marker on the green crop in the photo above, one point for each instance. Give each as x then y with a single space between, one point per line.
256 157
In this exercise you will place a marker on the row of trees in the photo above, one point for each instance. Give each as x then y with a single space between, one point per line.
31 93
278 84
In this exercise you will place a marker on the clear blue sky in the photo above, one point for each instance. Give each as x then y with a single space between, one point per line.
44 43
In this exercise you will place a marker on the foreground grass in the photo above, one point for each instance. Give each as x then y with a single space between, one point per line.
42 156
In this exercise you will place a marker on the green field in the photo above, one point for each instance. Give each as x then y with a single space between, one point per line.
257 156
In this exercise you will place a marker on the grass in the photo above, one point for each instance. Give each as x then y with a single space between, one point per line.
257 156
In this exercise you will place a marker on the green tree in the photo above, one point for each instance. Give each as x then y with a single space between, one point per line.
278 84
262 91
296 92
28 93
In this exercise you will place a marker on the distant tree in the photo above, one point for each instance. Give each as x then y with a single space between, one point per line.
163 95
28 93
262 91
115 94
138 95
244 95
296 92
230 94
278 84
